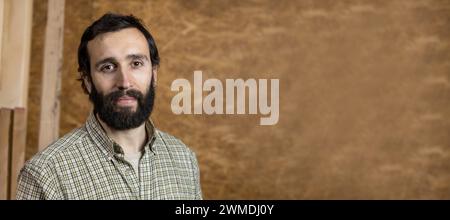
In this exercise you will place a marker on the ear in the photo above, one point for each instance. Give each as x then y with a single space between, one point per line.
155 75
88 84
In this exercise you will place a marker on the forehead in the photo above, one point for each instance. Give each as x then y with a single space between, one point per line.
118 44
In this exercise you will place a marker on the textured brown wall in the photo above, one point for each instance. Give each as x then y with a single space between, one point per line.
364 92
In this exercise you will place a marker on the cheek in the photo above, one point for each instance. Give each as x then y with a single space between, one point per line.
143 80
103 84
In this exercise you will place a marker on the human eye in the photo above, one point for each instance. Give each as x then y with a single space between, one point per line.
136 63
107 68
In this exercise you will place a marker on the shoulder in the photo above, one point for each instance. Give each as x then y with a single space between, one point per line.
172 142
58 150
175 147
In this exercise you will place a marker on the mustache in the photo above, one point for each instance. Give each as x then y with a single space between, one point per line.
122 118
114 96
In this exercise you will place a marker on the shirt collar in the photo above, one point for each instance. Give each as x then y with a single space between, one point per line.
107 145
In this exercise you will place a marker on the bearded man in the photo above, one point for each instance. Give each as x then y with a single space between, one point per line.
117 153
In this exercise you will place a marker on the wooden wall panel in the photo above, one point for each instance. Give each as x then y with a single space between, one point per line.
35 80
5 127
2 6
19 130
16 41
51 78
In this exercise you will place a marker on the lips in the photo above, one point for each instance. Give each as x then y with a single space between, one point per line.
125 100
125 97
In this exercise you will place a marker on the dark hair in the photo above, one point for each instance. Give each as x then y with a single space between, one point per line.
111 22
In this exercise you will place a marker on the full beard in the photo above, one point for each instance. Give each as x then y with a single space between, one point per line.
123 118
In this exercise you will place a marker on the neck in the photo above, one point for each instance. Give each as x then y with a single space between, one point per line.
131 140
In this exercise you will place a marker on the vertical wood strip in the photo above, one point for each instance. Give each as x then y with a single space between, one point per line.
2 6
15 58
51 76
5 125
19 132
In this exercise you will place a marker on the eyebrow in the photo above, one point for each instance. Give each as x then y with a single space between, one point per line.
137 56
113 60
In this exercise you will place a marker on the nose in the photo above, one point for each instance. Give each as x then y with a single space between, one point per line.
123 79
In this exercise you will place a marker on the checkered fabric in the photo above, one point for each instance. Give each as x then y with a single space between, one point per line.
87 164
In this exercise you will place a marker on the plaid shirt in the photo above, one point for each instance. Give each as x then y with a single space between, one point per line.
87 164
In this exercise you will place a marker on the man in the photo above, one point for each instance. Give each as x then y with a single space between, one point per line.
118 153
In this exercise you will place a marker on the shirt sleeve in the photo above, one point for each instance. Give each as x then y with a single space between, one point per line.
198 188
35 184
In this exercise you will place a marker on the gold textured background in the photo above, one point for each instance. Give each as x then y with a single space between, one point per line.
364 92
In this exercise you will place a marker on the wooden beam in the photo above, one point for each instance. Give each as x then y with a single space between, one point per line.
51 77
15 44
5 128
19 132
2 6
15 58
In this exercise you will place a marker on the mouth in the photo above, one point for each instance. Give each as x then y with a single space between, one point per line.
126 101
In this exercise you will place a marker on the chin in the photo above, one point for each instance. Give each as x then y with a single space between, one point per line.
131 109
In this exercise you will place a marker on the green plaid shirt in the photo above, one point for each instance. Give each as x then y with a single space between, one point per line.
87 164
